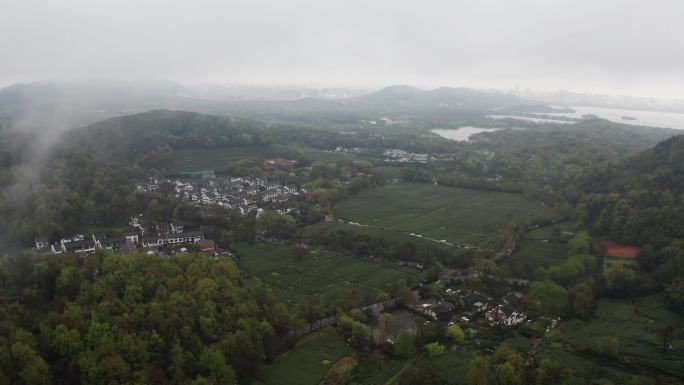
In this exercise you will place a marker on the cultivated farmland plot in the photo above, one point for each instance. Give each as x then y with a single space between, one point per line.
636 325
453 214
294 278
308 362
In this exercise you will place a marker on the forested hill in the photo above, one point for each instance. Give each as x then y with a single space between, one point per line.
140 136
665 161
447 97
660 167
437 104
639 200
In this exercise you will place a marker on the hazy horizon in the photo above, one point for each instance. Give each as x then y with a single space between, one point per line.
612 47
316 86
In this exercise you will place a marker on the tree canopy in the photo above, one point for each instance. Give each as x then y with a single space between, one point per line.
132 318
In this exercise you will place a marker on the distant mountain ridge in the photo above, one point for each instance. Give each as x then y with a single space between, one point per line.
46 104
68 104
436 94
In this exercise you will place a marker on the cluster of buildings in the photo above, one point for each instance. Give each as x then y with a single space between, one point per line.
387 121
280 164
509 310
86 245
344 150
140 237
439 310
401 156
240 195
396 155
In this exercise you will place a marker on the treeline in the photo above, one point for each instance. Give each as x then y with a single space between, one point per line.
186 319
537 161
570 288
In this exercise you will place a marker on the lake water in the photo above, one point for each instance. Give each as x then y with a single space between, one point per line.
531 119
462 134
643 118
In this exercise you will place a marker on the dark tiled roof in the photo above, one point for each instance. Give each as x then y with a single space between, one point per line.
77 245
114 240
443 308
474 297
512 298
509 309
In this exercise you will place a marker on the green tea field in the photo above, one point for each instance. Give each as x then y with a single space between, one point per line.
638 328
396 237
308 362
454 214
294 277
531 255
541 247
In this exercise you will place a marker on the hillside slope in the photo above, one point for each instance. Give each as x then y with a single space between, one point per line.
639 200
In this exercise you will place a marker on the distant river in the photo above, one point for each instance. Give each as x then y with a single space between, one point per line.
643 118
462 134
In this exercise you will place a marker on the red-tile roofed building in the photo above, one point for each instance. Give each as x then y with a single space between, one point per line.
207 246
617 250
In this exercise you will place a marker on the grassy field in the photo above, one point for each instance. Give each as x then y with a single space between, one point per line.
200 159
538 248
374 371
637 334
455 214
450 367
294 278
308 362
531 255
619 261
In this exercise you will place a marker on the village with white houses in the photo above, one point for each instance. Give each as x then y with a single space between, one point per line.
240 195
401 156
151 238
236 194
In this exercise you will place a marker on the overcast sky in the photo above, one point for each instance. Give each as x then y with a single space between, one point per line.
610 46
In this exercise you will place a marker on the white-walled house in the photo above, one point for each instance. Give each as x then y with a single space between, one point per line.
42 243
510 312
506 314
